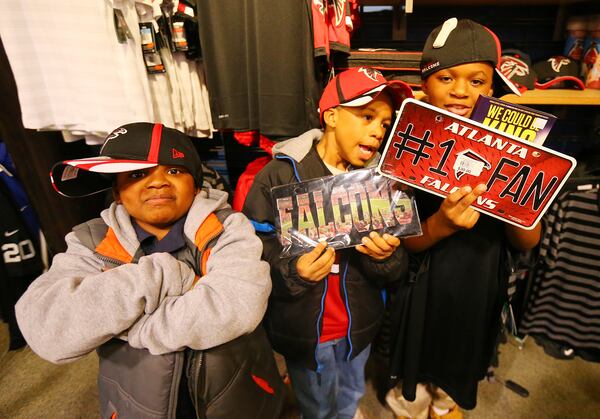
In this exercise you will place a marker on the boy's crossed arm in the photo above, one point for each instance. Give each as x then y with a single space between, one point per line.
75 306
227 302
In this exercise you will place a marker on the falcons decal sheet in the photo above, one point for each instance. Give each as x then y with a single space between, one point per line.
341 210
439 152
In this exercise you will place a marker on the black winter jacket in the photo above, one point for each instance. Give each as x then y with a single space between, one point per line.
294 316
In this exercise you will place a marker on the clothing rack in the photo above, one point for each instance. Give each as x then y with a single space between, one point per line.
562 302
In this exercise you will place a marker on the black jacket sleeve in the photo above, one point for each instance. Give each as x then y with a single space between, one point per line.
392 269
258 207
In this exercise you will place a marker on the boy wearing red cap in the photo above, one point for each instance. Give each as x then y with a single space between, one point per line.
451 311
326 306
165 278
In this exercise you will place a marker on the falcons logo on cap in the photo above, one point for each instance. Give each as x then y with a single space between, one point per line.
370 73
469 163
512 66
557 62
114 134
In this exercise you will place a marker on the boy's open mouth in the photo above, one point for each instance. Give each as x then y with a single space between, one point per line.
366 152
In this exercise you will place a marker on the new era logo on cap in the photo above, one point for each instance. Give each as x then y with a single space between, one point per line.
130 147
177 154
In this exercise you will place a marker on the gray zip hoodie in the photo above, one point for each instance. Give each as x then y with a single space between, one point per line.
78 305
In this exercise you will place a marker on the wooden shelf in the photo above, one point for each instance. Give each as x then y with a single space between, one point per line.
549 97
417 3
556 97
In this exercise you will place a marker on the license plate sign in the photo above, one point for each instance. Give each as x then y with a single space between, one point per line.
439 152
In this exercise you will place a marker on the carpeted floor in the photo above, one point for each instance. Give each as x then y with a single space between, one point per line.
33 388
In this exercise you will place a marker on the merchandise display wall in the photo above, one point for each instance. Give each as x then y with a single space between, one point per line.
566 313
537 29
33 153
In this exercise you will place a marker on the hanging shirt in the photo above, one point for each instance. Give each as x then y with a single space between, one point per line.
332 24
73 74
17 193
70 69
251 85
564 304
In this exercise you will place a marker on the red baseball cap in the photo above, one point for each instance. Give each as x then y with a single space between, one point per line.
359 86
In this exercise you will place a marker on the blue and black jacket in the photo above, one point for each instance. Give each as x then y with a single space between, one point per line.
294 315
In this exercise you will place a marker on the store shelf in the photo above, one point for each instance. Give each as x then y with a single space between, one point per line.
549 97
464 2
556 97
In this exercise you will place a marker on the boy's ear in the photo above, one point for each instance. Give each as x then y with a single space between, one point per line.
116 196
330 117
424 87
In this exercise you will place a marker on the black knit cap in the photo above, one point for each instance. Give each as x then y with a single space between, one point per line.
457 42
130 147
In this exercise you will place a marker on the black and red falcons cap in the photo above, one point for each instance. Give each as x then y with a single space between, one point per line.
134 146
463 41
516 66
558 72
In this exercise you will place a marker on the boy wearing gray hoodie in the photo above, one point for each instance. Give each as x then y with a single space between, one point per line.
168 273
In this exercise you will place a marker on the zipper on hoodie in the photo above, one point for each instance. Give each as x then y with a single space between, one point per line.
211 238
193 375
106 259
347 304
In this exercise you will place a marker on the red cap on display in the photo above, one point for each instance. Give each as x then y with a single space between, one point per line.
130 147
359 86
